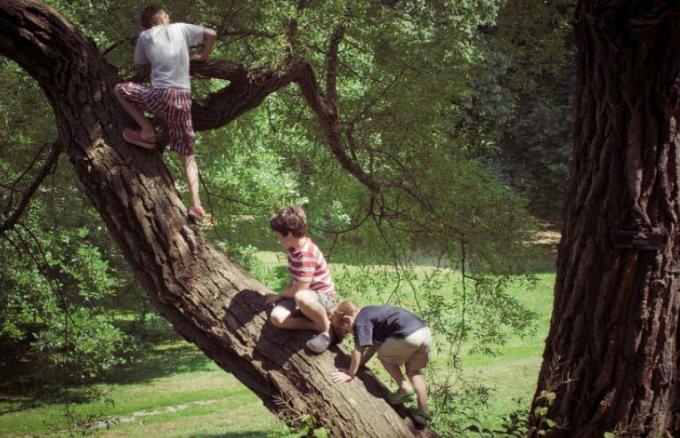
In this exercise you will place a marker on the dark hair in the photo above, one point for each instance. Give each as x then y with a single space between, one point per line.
149 17
291 219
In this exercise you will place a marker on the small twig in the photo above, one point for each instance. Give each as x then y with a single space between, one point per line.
48 166
118 43
361 114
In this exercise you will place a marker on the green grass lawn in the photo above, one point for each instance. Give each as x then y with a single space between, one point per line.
513 372
176 391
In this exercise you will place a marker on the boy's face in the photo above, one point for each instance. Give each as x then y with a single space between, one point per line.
285 241
342 324
163 17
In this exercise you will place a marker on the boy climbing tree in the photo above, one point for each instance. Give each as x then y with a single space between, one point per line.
309 298
399 337
166 47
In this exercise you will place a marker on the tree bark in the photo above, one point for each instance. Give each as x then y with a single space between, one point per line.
611 357
208 298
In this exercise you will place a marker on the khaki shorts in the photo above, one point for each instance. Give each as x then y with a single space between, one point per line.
413 350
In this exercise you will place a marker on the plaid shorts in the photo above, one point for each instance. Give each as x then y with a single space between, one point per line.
172 105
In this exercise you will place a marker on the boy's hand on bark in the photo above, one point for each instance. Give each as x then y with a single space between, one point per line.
341 376
272 299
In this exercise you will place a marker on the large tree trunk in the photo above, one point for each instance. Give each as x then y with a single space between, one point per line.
208 299
611 358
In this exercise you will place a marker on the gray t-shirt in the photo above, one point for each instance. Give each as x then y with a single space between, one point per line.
166 48
377 323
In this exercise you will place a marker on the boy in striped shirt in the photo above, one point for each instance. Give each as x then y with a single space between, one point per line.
309 298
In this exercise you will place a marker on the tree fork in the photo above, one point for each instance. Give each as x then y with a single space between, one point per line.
611 357
207 297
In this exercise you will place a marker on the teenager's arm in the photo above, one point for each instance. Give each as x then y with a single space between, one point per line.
209 37
143 72
140 55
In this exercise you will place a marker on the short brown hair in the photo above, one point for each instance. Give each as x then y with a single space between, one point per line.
346 308
150 16
291 219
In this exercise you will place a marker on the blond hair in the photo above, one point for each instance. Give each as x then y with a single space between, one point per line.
346 308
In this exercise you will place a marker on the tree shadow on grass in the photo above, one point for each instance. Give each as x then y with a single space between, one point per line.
166 359
35 397
169 358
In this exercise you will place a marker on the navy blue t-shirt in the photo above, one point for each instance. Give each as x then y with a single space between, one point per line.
377 323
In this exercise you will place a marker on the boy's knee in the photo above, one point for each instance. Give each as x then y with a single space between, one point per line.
411 372
118 89
305 298
385 362
278 318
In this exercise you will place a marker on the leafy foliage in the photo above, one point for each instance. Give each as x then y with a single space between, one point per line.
534 40
458 108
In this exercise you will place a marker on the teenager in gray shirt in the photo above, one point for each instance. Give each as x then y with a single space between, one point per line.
166 47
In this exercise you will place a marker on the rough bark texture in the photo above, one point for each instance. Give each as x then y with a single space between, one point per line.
209 299
611 358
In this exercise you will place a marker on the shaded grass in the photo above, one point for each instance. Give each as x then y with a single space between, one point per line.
183 376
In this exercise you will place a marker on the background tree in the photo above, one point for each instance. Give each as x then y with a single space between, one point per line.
534 53
611 359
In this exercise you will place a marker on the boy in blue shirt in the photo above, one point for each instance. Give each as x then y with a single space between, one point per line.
398 336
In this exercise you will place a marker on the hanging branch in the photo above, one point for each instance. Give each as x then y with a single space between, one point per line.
46 169
327 114
332 62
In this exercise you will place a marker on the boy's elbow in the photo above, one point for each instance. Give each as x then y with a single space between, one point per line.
209 33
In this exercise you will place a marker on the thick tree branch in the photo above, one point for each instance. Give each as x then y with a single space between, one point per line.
247 90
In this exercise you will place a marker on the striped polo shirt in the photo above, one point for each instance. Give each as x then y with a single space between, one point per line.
308 265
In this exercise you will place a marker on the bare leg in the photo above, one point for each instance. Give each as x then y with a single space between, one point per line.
137 115
395 372
282 318
310 306
418 382
191 176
